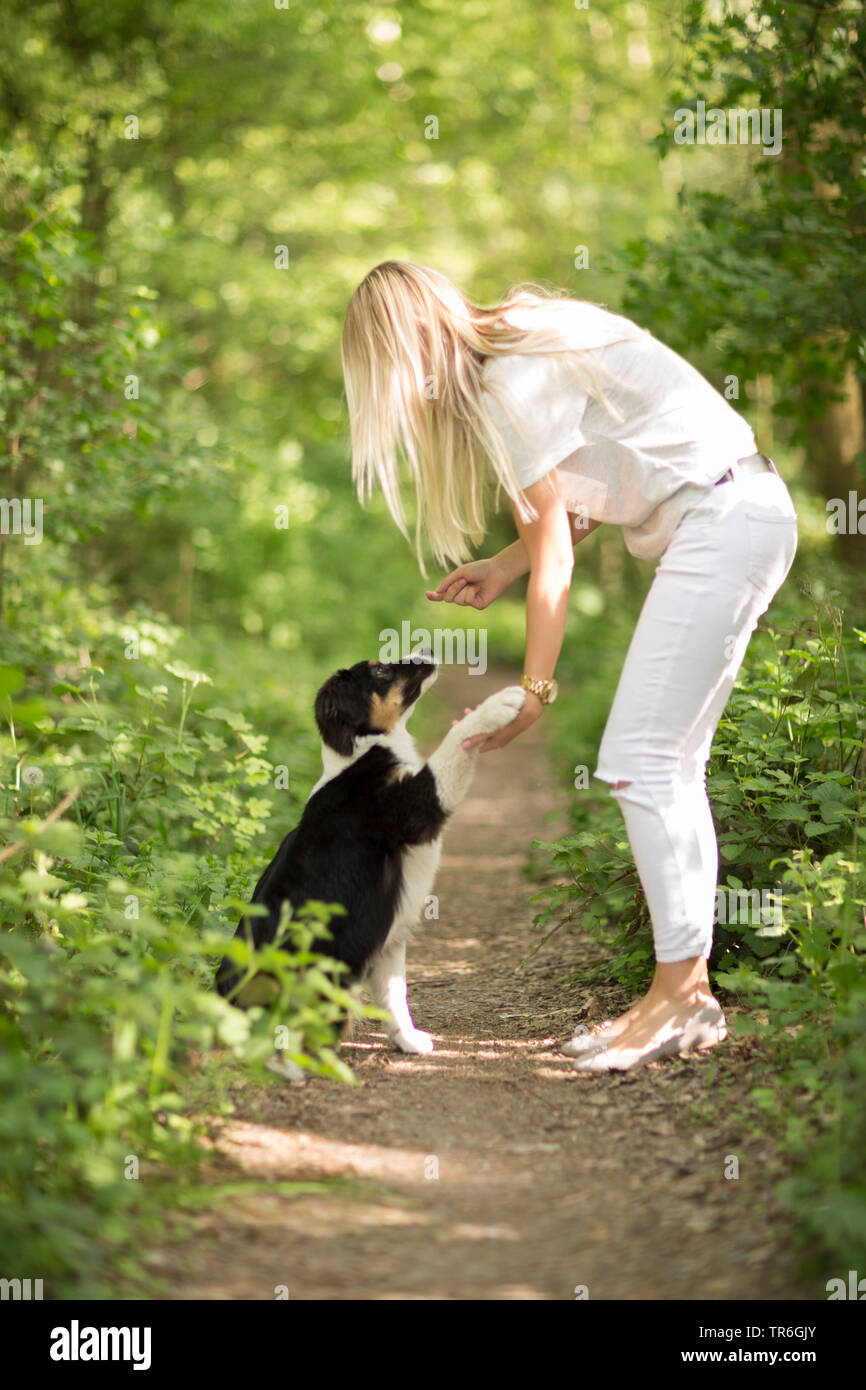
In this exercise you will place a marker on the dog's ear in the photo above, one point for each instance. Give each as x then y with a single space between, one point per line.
342 708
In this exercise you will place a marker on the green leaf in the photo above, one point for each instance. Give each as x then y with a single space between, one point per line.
227 716
11 679
183 762
186 673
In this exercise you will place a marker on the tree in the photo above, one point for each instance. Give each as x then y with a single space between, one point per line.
767 259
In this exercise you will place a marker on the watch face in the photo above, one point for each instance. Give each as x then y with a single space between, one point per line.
553 692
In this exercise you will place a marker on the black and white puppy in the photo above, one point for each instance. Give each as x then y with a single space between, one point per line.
370 836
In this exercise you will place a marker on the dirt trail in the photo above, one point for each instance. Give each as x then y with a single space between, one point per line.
489 1170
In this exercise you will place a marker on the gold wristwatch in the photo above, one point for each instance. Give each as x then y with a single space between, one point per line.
546 690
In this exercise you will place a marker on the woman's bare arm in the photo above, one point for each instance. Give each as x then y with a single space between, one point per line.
515 557
549 547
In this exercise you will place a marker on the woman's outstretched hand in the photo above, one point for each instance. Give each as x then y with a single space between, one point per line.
475 585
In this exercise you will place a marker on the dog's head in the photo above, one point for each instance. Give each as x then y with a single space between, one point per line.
372 697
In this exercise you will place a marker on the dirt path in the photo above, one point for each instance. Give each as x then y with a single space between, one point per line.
490 1170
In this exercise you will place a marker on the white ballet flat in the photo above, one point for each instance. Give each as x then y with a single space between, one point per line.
707 1028
590 1041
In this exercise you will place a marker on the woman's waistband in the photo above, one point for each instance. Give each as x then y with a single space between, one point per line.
754 463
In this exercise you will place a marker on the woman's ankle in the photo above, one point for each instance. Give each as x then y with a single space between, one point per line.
682 982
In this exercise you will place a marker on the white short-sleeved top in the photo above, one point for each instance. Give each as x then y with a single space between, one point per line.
637 458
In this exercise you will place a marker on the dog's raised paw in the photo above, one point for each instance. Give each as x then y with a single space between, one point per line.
500 709
417 1042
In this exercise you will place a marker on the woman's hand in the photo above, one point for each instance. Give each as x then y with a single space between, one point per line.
475 585
532 710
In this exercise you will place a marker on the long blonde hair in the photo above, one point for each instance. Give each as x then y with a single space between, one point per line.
413 352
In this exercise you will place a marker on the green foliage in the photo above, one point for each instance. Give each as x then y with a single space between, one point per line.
87 401
786 782
780 235
168 391
101 1030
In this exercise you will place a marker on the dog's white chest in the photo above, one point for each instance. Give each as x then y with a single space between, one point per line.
420 863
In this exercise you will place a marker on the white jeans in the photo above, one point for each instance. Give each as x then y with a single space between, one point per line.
725 561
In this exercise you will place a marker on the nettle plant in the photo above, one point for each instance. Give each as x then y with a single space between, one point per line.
785 780
595 886
166 806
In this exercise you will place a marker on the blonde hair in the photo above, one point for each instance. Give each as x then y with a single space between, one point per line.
413 352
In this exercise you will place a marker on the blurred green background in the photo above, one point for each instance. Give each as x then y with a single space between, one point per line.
190 194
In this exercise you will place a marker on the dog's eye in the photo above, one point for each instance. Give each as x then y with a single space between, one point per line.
380 669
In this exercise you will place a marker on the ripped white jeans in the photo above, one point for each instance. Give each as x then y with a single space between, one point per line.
725 561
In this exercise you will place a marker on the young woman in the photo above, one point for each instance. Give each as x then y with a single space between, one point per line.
581 418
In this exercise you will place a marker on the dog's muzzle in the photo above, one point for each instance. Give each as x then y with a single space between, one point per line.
424 667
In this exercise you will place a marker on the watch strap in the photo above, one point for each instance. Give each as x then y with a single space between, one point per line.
539 686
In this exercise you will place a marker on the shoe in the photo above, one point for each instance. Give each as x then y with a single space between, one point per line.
707 1028
589 1041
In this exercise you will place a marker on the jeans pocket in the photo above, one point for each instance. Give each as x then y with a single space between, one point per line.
772 545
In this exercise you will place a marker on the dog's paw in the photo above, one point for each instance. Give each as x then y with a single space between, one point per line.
416 1041
498 710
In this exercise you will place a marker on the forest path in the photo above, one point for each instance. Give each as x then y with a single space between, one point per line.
490 1170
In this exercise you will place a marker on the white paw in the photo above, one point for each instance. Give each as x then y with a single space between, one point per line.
416 1041
497 710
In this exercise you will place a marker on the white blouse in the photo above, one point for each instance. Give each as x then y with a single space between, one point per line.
637 458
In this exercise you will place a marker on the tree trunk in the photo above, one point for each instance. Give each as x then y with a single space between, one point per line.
836 453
